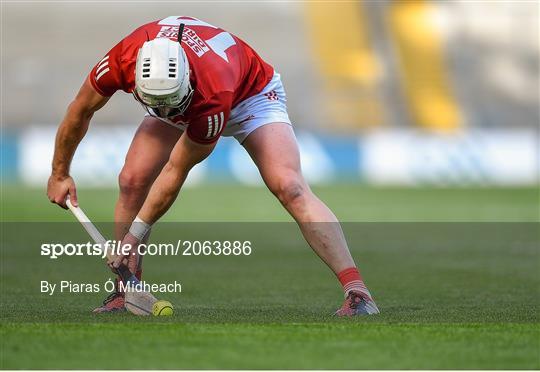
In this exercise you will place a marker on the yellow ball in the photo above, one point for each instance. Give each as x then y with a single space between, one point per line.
162 308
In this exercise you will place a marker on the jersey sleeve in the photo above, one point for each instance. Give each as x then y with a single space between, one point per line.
106 76
208 126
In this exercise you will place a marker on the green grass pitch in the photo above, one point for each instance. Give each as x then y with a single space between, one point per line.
455 273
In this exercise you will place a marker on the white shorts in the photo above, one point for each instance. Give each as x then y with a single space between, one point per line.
268 106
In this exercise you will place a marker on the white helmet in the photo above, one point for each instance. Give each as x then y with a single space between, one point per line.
162 77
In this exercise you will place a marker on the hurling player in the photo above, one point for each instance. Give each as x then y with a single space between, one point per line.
208 84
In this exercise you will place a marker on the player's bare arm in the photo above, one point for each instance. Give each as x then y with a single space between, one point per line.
70 133
184 156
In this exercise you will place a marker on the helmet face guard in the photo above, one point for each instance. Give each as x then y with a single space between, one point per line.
164 106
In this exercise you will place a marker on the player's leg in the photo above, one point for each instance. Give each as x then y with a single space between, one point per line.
147 154
274 150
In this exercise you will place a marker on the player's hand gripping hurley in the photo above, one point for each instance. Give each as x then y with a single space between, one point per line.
138 302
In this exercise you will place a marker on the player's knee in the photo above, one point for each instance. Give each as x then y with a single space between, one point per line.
132 182
290 190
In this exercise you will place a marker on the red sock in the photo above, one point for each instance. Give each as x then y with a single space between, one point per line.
351 280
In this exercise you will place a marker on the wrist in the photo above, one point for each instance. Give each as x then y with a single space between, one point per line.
59 175
139 228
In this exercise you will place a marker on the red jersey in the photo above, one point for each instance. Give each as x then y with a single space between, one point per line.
224 71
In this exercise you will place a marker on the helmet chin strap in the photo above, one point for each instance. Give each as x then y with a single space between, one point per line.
166 111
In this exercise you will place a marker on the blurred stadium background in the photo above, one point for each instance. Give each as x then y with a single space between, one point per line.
411 93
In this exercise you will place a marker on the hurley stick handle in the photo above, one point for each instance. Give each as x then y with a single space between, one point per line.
122 270
126 275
